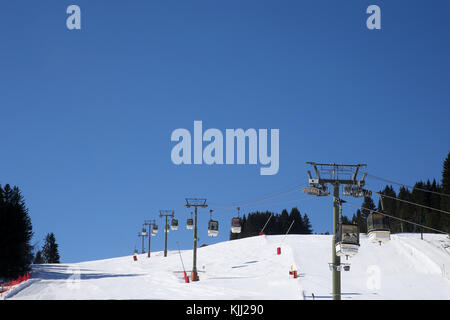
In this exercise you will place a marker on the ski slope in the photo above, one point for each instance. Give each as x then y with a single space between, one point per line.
250 269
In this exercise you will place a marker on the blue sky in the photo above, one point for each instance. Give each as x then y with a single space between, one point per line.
87 115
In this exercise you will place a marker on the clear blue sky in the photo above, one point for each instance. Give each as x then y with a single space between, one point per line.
86 115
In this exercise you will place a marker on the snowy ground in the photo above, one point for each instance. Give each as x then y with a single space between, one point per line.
250 269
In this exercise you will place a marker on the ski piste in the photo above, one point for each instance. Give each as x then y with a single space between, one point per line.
406 267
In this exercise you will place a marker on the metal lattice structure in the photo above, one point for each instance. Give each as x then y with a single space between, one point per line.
331 172
195 202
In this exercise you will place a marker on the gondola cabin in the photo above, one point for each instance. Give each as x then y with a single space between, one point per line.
144 232
190 224
236 225
321 191
154 230
378 228
213 228
347 240
167 228
174 224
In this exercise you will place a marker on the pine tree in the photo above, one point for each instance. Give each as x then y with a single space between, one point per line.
15 234
307 224
39 259
243 227
359 220
298 227
345 220
421 215
368 205
419 195
252 226
273 226
403 209
278 224
284 221
390 207
50 249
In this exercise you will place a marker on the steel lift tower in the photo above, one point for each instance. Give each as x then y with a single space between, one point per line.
336 175
194 202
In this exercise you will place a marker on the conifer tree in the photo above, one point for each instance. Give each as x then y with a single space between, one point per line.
345 220
15 233
284 221
359 220
403 209
307 224
389 206
368 205
50 249
298 226
39 259
278 224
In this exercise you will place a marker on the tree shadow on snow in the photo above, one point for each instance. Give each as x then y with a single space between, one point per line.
62 272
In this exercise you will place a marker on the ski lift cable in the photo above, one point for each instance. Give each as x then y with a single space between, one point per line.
243 204
270 204
393 217
290 187
283 202
413 203
405 185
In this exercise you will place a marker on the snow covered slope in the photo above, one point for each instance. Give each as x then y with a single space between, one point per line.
250 269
